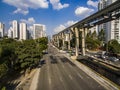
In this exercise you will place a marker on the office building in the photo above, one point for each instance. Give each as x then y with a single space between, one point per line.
23 31
2 27
38 31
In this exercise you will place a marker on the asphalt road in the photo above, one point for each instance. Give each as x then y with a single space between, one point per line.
58 73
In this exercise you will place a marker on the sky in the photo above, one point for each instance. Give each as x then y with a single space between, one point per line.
56 15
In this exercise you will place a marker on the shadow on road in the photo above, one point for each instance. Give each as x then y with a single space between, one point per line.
66 60
53 60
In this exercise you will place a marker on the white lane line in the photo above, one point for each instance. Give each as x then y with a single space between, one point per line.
61 79
49 80
70 76
79 75
63 66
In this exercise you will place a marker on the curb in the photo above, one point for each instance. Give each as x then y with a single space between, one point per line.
34 83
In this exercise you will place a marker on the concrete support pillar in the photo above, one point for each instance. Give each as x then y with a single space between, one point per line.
69 46
58 44
77 42
55 40
63 41
83 41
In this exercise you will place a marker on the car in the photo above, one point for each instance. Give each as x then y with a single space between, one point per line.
113 59
97 56
103 56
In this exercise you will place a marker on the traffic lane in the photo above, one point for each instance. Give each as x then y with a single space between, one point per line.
67 78
54 74
50 77
80 76
43 78
52 50
70 79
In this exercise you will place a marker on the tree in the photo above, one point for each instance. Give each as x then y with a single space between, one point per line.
101 35
94 35
113 46
20 55
92 41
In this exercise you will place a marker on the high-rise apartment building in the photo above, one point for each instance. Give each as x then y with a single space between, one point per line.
15 29
23 31
2 26
112 28
38 31
10 33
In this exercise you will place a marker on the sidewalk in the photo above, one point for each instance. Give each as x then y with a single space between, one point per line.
27 81
34 82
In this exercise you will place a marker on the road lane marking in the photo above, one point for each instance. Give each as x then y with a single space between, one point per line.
49 80
70 76
63 66
61 79
79 75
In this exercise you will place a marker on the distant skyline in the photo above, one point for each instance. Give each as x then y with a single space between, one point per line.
54 14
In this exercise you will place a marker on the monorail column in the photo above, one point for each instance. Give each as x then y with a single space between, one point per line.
83 41
52 40
69 44
58 41
77 42
55 41
63 41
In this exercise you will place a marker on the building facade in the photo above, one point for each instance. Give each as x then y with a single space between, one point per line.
2 27
15 29
38 31
23 31
112 28
10 33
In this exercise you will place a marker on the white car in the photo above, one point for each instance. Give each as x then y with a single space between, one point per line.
113 59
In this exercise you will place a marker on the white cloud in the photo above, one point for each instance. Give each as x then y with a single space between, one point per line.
30 20
69 23
24 5
18 10
92 3
59 28
83 11
57 5
65 25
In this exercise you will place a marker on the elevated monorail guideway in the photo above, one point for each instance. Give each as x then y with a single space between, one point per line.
110 11
107 14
